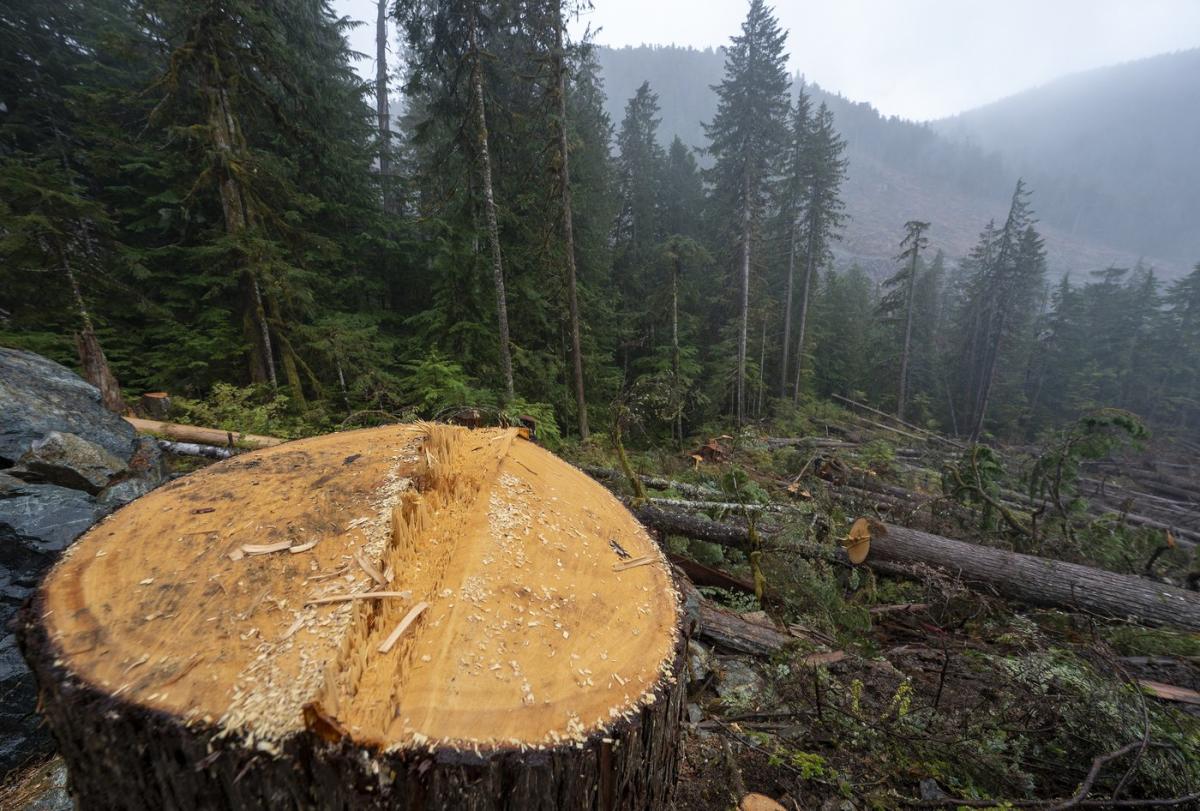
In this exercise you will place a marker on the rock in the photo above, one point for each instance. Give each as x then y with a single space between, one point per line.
699 663
931 791
38 396
65 462
69 460
739 686
694 714
37 522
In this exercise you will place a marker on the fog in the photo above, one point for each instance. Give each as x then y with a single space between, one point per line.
919 59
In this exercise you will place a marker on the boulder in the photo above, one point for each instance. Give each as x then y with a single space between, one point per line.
65 462
69 460
38 396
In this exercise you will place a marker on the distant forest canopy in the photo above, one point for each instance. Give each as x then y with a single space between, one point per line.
203 197
1111 188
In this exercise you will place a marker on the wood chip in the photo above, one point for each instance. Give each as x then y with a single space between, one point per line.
265 548
371 570
362 595
633 563
1170 692
400 628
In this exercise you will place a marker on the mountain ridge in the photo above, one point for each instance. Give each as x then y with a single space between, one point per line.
899 169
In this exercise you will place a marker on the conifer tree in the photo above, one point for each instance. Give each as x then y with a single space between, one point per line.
745 138
824 170
900 302
794 190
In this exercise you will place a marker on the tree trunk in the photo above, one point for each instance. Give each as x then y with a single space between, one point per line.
1030 579
204 436
564 178
986 381
910 294
678 426
399 641
226 140
804 288
96 369
787 313
489 208
740 405
381 106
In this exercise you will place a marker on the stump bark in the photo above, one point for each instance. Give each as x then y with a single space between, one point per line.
404 617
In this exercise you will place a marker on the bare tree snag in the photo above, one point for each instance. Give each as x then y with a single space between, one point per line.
522 651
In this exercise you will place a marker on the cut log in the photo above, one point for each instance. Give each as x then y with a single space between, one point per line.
203 436
509 662
1035 580
1040 581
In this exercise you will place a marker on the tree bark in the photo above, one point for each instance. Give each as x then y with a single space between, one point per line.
740 405
1030 579
804 289
1041 581
381 106
787 313
489 208
123 755
564 179
678 422
205 436
96 369
909 296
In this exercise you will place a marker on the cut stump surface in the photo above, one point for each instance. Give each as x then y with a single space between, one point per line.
189 651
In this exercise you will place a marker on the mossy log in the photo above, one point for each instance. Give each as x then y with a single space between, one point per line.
216 644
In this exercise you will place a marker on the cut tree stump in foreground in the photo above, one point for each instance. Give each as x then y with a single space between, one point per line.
186 662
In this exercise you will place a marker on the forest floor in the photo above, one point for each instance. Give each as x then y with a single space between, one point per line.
914 690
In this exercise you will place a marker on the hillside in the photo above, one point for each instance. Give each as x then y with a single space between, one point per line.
1112 151
898 169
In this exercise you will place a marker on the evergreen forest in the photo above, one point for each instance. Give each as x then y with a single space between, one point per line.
213 193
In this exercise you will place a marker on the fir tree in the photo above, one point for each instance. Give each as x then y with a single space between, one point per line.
745 138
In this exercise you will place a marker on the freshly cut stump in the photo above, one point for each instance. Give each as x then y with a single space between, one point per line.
417 616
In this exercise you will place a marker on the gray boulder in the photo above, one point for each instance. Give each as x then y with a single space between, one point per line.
69 460
65 462
38 396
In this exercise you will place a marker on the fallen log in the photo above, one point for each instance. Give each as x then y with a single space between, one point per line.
203 436
657 482
703 575
1040 581
1035 580
728 630
924 431
225 642
194 449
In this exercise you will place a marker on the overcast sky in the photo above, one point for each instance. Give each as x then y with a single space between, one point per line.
919 59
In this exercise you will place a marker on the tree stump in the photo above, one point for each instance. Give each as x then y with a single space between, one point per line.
155 405
416 616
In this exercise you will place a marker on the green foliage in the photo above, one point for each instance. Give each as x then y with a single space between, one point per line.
248 409
433 384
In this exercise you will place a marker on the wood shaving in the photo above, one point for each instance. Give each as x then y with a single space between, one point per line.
400 628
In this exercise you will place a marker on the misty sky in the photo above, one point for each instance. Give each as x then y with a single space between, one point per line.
919 59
